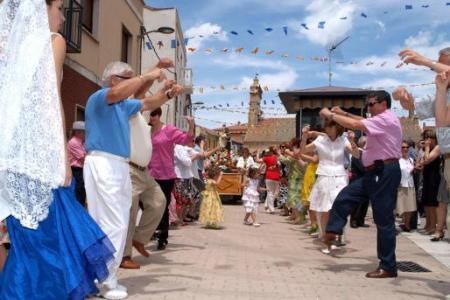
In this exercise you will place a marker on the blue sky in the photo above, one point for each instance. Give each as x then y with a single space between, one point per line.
367 59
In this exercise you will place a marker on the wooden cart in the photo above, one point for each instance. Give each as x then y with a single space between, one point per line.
230 185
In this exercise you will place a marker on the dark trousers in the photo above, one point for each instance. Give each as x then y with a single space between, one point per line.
359 213
166 187
381 188
80 192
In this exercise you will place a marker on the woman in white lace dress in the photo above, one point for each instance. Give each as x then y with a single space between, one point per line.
57 250
331 174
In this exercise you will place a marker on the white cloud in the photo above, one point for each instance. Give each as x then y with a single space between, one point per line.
331 12
204 32
283 78
423 38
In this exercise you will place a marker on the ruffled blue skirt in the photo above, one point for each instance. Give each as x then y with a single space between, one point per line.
60 259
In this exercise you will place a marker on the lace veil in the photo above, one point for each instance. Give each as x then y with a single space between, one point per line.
32 158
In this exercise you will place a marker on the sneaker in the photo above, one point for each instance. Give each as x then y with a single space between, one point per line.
314 229
114 294
256 224
248 223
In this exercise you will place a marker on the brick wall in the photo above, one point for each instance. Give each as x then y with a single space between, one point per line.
75 89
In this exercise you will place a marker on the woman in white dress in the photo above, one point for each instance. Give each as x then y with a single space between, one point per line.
331 174
406 197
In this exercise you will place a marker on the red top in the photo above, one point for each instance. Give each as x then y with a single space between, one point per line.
272 170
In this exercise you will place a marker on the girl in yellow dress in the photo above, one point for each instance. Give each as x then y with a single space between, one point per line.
308 183
211 210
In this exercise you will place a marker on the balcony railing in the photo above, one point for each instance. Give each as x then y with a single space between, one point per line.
72 28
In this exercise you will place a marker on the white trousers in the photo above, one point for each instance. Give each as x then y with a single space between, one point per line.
108 190
273 189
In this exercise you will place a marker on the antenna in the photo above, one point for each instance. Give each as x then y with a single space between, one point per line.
332 48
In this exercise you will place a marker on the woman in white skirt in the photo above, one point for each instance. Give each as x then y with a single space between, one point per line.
406 197
331 174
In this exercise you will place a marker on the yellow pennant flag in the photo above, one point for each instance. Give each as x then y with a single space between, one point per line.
239 50
192 49
222 87
299 57
269 52
200 90
209 50
225 50
285 55
255 51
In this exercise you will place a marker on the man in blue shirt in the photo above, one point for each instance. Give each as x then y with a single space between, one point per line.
106 169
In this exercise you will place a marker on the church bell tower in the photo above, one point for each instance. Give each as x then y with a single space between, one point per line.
255 112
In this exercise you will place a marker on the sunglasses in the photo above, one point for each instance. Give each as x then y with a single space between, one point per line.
371 104
405 147
122 77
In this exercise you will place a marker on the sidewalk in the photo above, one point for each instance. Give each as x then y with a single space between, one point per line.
276 261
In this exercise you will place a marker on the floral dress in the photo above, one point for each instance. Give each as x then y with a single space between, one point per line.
211 210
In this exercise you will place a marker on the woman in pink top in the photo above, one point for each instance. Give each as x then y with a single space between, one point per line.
162 164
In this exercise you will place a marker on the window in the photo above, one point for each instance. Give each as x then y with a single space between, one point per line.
126 44
88 14
79 112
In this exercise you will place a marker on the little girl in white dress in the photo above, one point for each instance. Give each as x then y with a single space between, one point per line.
250 196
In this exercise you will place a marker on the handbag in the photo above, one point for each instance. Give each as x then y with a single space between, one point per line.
140 141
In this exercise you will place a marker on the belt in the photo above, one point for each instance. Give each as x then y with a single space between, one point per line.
108 155
386 162
137 166
446 155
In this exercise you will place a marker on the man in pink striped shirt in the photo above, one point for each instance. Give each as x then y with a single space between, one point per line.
77 153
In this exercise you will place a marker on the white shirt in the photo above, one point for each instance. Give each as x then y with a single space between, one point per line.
406 167
331 155
184 167
245 163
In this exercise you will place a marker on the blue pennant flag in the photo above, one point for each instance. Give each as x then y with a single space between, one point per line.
285 29
363 15
173 44
149 45
242 103
186 41
321 25
234 32
268 29
425 6
220 105
344 18
408 7
228 105
304 26
251 32
265 102
273 101
448 4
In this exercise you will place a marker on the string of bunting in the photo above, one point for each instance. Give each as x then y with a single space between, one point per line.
266 88
322 24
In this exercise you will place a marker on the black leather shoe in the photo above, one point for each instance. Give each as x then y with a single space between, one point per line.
380 273
354 224
364 225
161 246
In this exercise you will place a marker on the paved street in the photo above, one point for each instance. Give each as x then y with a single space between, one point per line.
276 261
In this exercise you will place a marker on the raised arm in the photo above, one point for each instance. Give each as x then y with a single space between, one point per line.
164 63
303 147
412 57
339 111
442 109
346 122
129 87
163 95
